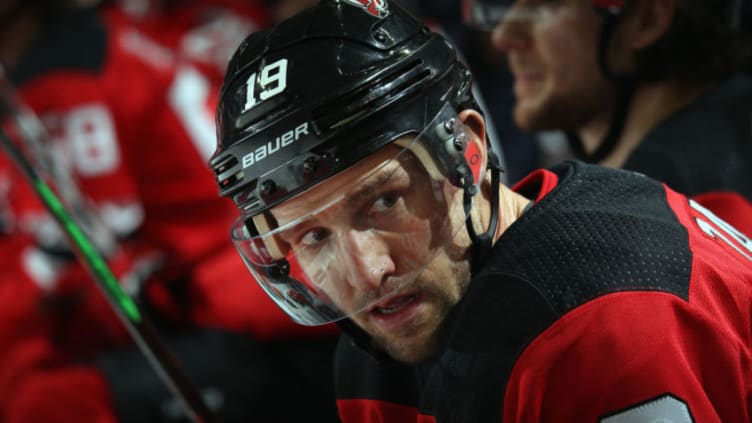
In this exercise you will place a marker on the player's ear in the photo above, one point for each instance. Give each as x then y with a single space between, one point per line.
648 21
475 127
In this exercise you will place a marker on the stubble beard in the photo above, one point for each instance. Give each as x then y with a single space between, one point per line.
422 339
565 111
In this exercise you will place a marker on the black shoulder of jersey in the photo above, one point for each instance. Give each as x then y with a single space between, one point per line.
600 231
76 41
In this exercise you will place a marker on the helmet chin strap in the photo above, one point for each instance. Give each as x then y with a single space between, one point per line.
624 93
625 87
482 243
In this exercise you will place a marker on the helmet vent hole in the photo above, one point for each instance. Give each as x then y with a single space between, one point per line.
227 172
253 204
225 164
230 180
371 97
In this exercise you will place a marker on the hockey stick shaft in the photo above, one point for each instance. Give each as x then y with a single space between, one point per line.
142 332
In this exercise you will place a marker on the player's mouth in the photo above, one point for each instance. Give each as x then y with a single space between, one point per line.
397 310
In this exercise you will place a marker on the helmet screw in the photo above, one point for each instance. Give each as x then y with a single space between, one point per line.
268 187
449 125
459 142
380 36
281 269
309 165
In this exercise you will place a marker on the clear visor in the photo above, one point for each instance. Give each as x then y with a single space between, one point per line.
487 14
353 243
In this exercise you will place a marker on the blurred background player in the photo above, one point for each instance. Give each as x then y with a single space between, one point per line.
651 86
130 125
201 32
493 85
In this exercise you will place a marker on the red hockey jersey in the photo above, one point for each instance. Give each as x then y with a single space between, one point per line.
613 299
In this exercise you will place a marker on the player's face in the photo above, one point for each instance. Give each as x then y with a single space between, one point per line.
552 55
396 221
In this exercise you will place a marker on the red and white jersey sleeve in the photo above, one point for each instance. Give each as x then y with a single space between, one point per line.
645 356
204 33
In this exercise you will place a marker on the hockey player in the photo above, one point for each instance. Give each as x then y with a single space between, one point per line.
350 142
650 86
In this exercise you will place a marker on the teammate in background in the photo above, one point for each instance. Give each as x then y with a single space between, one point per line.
493 81
201 32
650 86
368 196
131 123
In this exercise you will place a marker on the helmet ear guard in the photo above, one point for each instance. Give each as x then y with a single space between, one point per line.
447 151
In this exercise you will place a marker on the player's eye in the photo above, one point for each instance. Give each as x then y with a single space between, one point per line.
384 202
314 236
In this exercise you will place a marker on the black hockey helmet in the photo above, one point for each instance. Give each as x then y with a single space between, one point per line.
310 98
304 100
